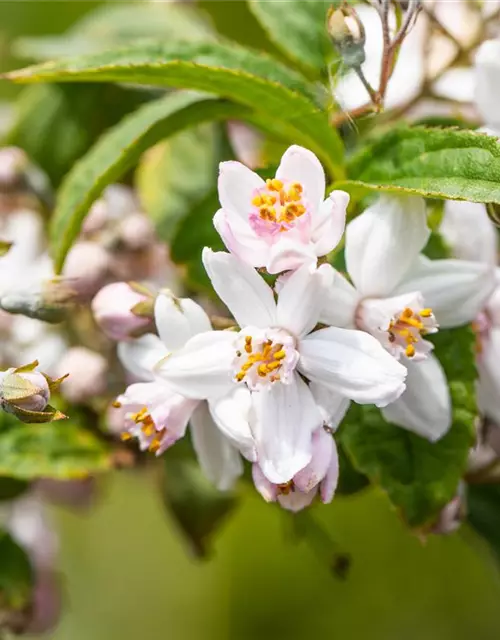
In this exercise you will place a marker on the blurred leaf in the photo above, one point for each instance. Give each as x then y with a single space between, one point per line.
420 477
483 513
436 163
11 488
117 151
59 450
194 232
298 29
198 508
16 580
57 124
286 99
110 26
350 480
175 174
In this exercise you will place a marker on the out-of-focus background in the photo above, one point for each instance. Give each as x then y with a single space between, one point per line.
128 574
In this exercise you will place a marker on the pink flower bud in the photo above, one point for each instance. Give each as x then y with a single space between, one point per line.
87 377
113 310
27 391
86 268
136 231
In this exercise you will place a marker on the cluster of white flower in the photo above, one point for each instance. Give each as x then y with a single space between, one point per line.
306 339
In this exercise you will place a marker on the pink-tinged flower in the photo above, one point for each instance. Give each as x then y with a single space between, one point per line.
156 414
23 390
86 269
115 310
320 476
283 223
271 355
88 370
400 297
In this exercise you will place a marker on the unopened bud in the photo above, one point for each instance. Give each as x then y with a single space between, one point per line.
25 393
136 232
87 378
347 34
123 310
20 179
86 269
452 515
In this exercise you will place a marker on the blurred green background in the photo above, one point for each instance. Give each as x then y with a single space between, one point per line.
128 574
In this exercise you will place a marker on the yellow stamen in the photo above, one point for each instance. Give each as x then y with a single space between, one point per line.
116 404
425 313
257 201
125 436
410 351
274 184
279 355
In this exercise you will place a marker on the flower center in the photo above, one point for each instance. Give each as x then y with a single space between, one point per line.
144 429
277 206
263 358
405 331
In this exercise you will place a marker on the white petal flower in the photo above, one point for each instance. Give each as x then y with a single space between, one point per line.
274 344
282 223
157 414
469 232
488 82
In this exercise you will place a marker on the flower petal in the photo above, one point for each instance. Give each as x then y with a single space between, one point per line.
488 388
301 165
328 224
240 239
487 92
383 242
456 290
237 185
469 232
202 368
219 460
267 490
328 486
141 355
425 406
353 363
286 416
341 301
241 289
233 414
332 405
301 299
313 473
178 319
289 254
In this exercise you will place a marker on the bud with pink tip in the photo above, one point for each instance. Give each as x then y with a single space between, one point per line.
123 310
88 371
86 269
320 475
136 232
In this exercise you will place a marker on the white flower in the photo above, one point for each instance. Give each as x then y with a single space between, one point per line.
282 223
156 414
271 355
400 296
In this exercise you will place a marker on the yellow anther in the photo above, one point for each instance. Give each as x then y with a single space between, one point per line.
425 313
148 429
297 186
125 436
279 355
257 201
116 404
275 378
273 365
413 323
285 488
407 313
140 415
410 351
155 445
274 184
262 370
240 375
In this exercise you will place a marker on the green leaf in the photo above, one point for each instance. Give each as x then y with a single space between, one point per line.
59 450
436 163
57 124
245 76
197 507
16 580
111 26
483 513
420 477
298 29
117 151
175 174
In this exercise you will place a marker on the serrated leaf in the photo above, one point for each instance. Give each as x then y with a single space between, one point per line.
298 29
111 26
247 77
116 152
197 507
175 174
16 579
436 163
57 124
59 450
420 477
